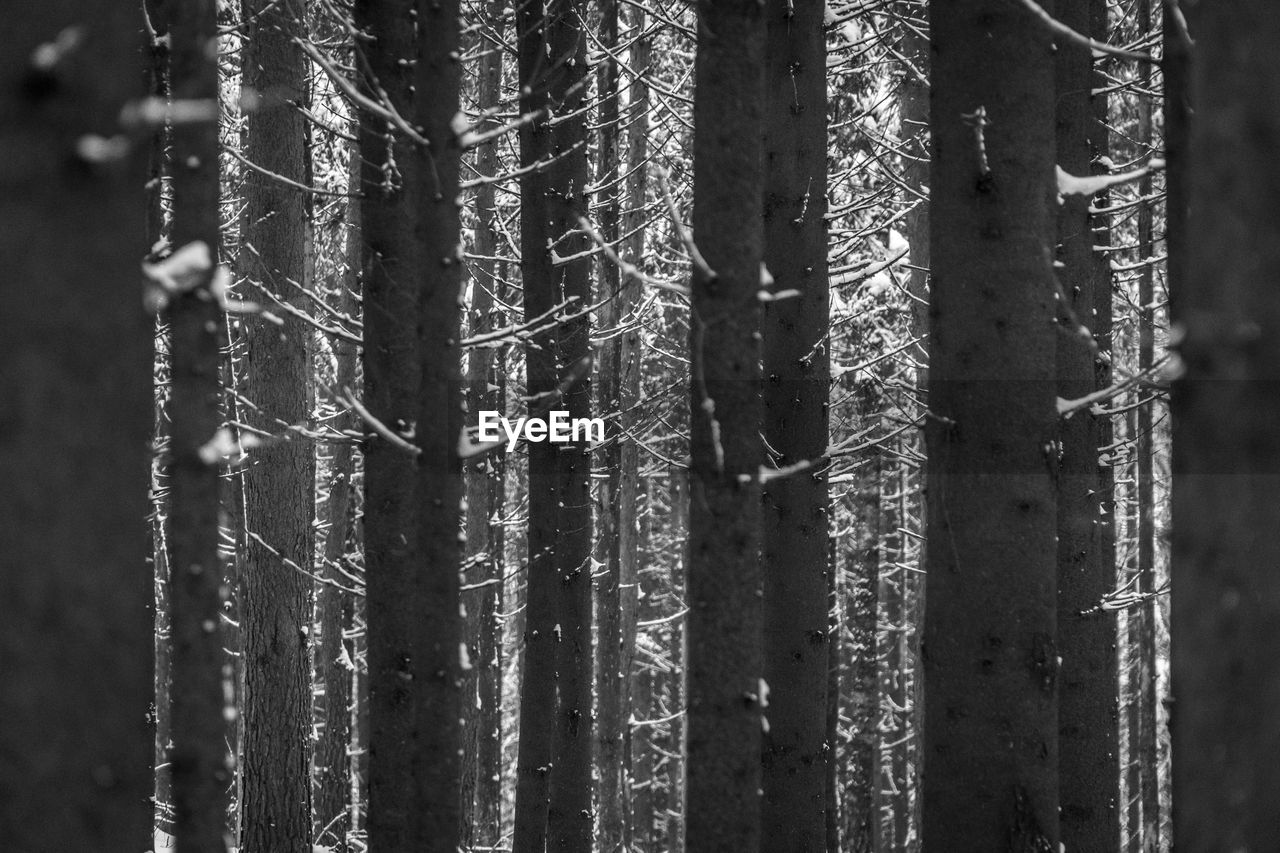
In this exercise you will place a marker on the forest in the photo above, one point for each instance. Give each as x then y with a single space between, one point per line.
640 426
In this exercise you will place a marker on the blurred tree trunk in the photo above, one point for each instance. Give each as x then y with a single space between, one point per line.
274 589
1226 464
990 662
75 368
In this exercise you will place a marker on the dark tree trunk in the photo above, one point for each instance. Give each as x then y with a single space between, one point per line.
438 642
1226 466
796 393
412 269
75 370
990 662
274 589
553 793
1088 730
198 762
726 666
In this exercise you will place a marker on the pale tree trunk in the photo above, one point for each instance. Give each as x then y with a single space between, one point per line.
334 656
485 491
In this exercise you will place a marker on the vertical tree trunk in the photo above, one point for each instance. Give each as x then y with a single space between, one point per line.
990 661
1088 731
334 659
438 645
412 265
553 796
725 668
198 763
274 590
1226 594
618 395
860 684
1146 755
75 594
796 393
485 490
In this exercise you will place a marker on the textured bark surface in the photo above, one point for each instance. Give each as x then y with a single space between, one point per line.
334 606
1226 464
198 762
859 687
619 393
990 662
1088 726
725 664
75 592
393 264
553 801
274 588
438 648
796 367
487 383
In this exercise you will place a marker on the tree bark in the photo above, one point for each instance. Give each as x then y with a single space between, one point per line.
990 661
1226 463
1088 730
618 396
485 488
796 367
274 590
725 666
75 594
198 762
334 657
412 268
553 794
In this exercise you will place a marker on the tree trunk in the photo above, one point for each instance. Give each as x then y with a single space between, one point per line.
796 395
990 662
198 762
860 684
1226 465
334 658
1088 731
725 667
412 269
438 644
485 489
274 590
76 633
618 396
553 795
